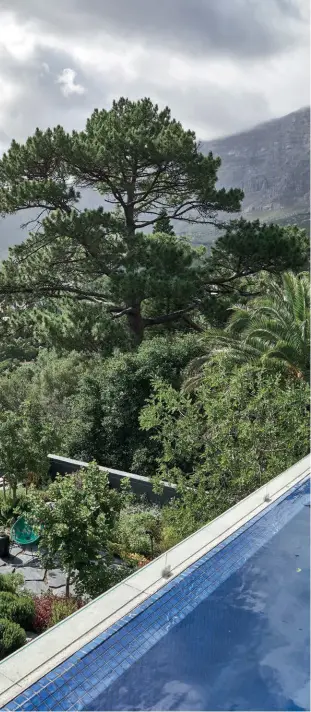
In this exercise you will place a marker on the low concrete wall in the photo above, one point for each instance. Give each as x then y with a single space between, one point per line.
140 485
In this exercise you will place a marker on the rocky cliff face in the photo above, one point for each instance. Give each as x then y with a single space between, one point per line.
271 163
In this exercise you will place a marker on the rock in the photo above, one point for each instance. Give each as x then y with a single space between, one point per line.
31 550
31 635
61 591
56 578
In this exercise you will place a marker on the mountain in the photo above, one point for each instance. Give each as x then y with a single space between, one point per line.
271 163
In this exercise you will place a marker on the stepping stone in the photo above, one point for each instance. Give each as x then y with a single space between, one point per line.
33 563
56 578
15 550
20 560
35 587
32 573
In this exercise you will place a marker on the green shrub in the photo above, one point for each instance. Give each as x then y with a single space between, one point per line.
11 582
19 609
131 533
63 608
10 510
12 637
171 535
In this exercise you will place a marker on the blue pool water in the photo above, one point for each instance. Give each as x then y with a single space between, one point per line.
230 633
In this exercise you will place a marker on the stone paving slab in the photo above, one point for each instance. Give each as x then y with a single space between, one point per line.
18 561
15 550
56 578
35 587
31 573
27 562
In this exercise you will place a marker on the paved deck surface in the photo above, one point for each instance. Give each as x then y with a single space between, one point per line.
27 562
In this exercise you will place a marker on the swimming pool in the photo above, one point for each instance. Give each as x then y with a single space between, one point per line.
230 633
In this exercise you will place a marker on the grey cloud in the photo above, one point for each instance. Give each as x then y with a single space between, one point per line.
204 105
238 28
40 101
211 109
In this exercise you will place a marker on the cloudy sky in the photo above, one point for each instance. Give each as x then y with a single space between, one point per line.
221 65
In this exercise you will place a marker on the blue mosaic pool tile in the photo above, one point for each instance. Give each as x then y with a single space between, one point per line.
87 673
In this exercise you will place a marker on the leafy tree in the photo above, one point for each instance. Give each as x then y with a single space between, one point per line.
142 162
163 224
78 512
236 432
104 412
34 410
16 344
274 329
16 459
80 326
138 530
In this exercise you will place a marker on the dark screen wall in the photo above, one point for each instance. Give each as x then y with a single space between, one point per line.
140 485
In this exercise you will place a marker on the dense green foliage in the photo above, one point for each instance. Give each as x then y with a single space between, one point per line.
237 431
273 329
12 637
11 582
138 530
86 408
17 608
78 512
104 424
107 318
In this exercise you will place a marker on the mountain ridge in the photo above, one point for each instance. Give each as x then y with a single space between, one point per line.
270 163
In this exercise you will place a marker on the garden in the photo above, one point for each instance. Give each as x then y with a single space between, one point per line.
125 344
83 538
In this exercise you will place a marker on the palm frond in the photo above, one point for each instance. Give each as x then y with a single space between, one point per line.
273 328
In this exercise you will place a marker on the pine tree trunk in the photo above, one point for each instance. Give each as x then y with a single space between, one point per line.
136 324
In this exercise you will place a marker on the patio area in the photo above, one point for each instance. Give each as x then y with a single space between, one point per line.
26 561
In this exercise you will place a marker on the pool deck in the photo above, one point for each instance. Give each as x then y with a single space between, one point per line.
33 661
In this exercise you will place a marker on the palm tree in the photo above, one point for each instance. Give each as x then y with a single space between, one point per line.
273 329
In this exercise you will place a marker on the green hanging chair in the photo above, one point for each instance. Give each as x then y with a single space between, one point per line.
23 534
